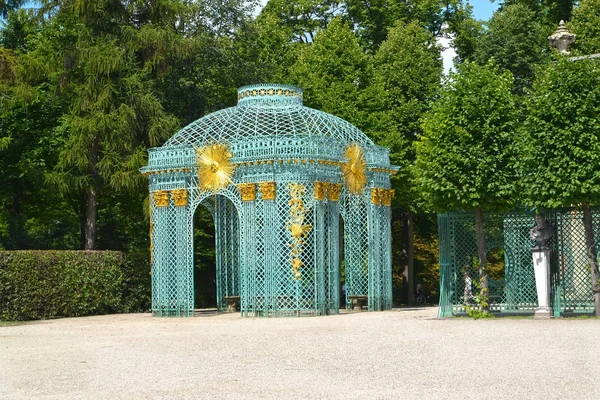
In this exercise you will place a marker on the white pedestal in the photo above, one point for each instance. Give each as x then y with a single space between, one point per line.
541 266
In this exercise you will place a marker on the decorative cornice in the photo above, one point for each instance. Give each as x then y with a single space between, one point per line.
320 190
267 190
387 196
180 197
161 198
333 191
248 191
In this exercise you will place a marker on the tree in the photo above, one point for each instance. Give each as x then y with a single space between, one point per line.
551 12
334 73
6 6
560 142
374 18
465 156
408 69
105 70
516 41
586 25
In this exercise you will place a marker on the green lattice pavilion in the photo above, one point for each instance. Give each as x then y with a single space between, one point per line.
277 178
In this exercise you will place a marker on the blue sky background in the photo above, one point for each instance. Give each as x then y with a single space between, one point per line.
483 9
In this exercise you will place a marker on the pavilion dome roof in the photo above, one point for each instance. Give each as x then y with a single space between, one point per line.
268 111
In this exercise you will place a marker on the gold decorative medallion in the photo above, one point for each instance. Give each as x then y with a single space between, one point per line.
161 198
248 191
214 167
354 169
267 189
320 190
180 197
297 227
333 191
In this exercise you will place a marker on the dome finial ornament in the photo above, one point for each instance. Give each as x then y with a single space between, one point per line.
561 39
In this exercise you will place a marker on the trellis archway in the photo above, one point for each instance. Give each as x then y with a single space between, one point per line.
277 176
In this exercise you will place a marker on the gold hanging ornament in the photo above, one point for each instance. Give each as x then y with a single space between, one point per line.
354 169
214 167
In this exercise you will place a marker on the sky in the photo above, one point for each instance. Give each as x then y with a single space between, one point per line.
483 9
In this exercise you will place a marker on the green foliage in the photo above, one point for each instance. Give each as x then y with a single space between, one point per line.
466 153
408 70
44 284
334 72
549 11
516 41
302 19
467 31
482 301
560 139
374 18
586 25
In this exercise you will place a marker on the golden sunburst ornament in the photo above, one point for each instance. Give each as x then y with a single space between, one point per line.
214 167
355 168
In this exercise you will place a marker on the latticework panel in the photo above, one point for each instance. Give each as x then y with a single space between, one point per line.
573 272
356 247
520 293
570 277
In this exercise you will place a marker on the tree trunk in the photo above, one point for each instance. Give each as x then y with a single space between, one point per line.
590 245
410 256
407 245
482 258
91 200
91 214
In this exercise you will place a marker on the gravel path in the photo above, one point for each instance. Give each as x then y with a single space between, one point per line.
400 354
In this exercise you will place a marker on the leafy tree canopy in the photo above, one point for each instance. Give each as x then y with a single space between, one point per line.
517 41
465 155
560 139
586 25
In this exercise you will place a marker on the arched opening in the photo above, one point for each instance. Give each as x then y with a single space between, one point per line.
205 273
216 254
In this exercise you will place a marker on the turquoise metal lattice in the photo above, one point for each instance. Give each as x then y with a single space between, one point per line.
570 275
275 142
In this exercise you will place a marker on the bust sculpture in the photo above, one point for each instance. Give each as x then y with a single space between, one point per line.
541 232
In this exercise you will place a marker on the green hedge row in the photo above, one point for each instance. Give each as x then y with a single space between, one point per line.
44 284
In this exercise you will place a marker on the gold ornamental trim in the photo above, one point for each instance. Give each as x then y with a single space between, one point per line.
180 197
161 198
214 167
386 198
354 170
333 191
248 191
320 190
376 195
297 227
267 189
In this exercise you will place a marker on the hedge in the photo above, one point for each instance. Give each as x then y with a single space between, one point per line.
45 284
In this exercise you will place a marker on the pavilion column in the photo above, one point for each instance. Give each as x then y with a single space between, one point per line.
333 255
375 267
321 279
386 247
166 279
268 196
247 248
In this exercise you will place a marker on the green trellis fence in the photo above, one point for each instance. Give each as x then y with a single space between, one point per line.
512 287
